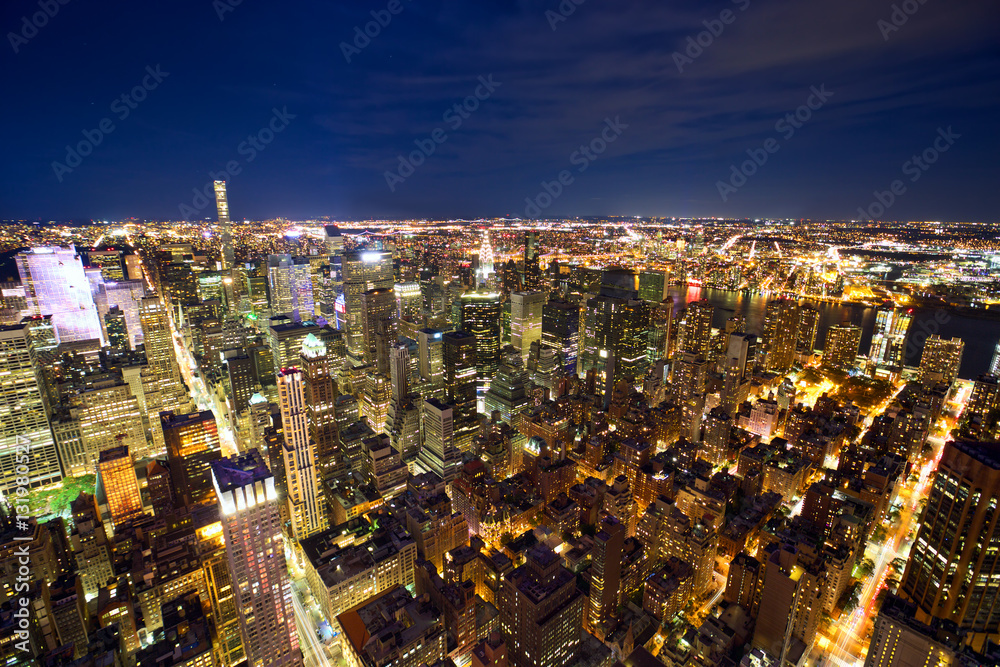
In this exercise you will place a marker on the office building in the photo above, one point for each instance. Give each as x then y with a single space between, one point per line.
439 453
321 404
251 523
843 343
526 319
481 318
115 330
791 605
941 360
364 270
56 284
888 346
948 571
291 287
694 331
21 392
616 325
116 470
541 611
378 326
302 491
430 349
192 443
900 640
394 630
781 334
533 278
561 332
808 330
606 575
459 356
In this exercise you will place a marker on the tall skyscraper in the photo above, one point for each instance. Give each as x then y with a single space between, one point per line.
291 287
526 319
160 356
481 313
808 330
606 575
781 334
561 331
56 284
438 453
459 352
121 487
541 611
842 345
321 401
222 207
533 278
694 331
364 270
948 574
889 340
24 429
740 353
616 325
790 603
305 502
192 443
379 326
941 359
403 418
115 329
251 523
430 348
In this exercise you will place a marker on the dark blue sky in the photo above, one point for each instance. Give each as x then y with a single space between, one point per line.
609 59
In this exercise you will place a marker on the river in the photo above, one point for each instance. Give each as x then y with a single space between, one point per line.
980 335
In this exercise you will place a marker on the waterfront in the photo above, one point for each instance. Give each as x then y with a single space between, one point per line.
947 324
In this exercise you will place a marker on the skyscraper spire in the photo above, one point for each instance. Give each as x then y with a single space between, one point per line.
486 258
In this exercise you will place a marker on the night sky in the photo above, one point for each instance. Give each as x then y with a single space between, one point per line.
674 117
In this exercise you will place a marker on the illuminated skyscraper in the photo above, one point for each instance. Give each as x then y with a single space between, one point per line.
222 206
486 272
541 611
808 330
409 302
526 319
162 375
460 384
364 270
481 312
291 287
305 502
24 428
379 326
606 575
55 284
694 332
781 335
561 331
948 574
892 325
251 522
616 325
121 487
192 443
533 278
430 347
321 399
941 359
439 453
841 348
117 331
